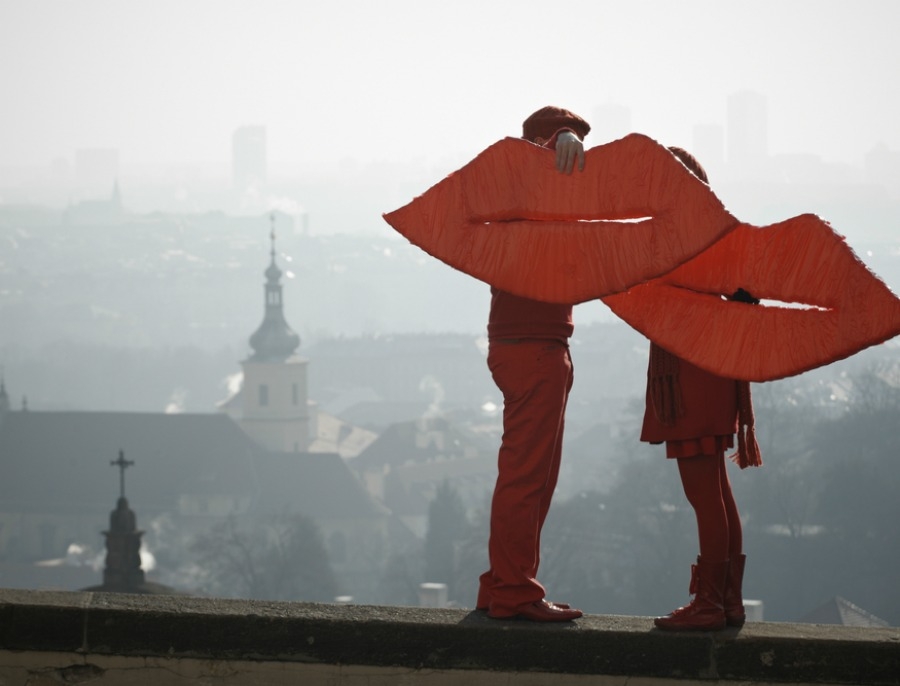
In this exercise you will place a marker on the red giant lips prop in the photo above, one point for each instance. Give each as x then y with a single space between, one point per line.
640 231
512 220
831 305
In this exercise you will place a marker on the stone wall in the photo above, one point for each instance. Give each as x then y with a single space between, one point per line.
100 638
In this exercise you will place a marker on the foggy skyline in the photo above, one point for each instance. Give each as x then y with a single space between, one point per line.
401 81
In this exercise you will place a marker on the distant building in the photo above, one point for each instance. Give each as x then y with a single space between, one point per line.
375 381
196 470
272 406
407 463
841 611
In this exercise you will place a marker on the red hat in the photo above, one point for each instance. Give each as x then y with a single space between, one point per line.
548 120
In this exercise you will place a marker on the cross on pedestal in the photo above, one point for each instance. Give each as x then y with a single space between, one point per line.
122 464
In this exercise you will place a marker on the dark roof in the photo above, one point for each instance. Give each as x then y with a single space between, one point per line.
420 440
61 460
317 484
376 415
841 611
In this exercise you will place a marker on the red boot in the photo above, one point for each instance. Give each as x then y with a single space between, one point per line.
706 611
735 614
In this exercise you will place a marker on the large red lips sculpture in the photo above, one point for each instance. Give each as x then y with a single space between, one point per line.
637 220
837 306
512 220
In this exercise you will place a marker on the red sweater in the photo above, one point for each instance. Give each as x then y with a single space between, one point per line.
515 317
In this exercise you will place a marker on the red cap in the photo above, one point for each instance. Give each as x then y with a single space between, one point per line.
548 120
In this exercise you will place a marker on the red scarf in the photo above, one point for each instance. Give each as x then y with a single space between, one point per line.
665 397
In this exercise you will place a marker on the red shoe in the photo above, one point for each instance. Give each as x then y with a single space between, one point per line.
705 612
542 611
735 615
564 606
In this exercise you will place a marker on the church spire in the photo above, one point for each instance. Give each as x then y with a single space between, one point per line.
274 340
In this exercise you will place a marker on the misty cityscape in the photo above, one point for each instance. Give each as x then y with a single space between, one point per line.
130 302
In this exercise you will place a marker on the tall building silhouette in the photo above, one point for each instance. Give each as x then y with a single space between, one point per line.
249 162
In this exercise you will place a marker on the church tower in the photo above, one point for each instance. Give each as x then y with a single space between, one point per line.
274 404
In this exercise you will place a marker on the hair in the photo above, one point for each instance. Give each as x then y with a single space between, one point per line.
689 161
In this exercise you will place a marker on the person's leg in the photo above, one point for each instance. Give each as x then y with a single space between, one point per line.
547 494
735 530
701 480
534 378
735 614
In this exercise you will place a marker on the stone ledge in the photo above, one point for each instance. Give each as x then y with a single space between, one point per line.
183 627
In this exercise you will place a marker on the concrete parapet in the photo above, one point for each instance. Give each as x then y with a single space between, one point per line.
106 638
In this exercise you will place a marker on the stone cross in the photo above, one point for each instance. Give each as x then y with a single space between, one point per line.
122 464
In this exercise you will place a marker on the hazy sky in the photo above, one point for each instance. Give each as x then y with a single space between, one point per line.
170 80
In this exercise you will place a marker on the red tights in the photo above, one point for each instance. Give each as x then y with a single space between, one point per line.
708 490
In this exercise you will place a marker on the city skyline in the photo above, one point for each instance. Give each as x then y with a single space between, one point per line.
349 83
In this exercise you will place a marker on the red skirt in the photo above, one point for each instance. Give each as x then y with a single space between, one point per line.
705 445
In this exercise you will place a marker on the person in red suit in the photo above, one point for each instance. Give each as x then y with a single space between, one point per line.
528 356
697 414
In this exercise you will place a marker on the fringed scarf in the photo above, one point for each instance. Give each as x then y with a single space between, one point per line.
747 454
665 391
665 398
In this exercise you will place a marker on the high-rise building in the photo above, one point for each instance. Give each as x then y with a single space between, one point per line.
248 160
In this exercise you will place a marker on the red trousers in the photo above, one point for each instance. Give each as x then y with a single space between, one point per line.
535 377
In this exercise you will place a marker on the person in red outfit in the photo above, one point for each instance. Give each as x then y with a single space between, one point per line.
529 360
696 414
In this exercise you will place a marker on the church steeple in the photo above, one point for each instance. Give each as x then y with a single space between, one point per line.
274 340
274 405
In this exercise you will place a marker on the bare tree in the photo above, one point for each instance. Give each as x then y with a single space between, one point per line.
280 558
